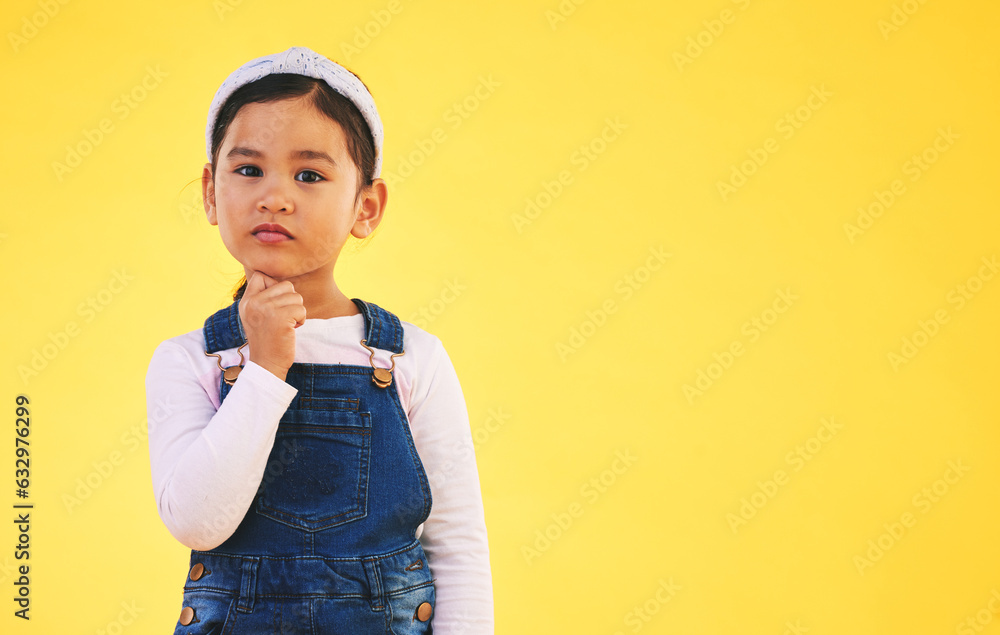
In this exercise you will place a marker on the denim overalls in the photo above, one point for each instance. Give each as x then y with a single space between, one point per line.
328 544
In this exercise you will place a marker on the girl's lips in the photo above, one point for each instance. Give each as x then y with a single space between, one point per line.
271 237
271 233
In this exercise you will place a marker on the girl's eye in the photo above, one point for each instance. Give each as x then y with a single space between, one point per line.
247 167
311 180
311 177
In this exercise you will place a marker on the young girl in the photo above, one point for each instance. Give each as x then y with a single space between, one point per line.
315 454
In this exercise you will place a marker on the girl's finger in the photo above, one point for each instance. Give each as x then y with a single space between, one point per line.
280 300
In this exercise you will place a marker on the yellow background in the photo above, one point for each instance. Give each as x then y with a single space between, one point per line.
664 521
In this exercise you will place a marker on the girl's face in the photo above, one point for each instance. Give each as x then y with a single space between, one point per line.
284 190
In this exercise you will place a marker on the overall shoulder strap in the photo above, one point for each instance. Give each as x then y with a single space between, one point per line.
223 329
382 328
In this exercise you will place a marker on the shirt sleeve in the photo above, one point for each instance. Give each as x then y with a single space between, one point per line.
207 464
454 535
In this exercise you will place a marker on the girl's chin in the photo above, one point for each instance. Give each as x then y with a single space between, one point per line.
284 272
274 274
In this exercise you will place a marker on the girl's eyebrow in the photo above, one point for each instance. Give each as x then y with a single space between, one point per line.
301 154
313 154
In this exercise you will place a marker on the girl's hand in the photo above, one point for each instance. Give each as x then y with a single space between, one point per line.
270 312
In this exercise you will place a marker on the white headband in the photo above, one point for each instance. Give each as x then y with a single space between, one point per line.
302 61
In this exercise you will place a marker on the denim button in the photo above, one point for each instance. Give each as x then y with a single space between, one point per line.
187 614
197 571
424 612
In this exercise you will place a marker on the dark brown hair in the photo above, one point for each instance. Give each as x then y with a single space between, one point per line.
278 86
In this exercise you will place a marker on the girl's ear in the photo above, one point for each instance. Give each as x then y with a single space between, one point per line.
208 194
370 209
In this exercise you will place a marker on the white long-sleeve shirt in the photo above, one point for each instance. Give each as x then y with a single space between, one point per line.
206 456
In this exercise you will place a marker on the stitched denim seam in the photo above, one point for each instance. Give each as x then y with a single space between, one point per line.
332 403
327 559
227 625
417 463
397 333
376 340
373 575
412 587
211 589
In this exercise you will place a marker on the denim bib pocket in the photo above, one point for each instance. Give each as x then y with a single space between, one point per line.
317 472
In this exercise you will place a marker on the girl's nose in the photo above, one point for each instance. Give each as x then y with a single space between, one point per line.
276 198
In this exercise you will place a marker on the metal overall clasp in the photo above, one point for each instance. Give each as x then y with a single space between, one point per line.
381 377
230 373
